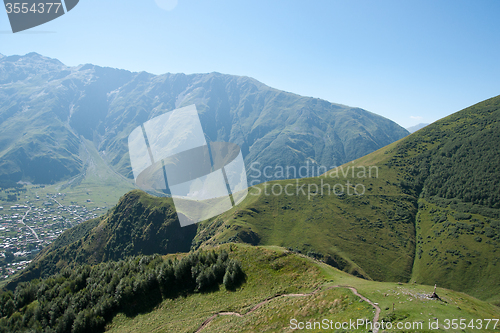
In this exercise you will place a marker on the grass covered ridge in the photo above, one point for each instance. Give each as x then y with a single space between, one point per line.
271 271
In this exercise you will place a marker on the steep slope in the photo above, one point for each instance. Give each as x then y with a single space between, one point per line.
48 109
436 193
451 168
456 163
356 218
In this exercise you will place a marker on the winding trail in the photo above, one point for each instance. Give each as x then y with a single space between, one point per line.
267 300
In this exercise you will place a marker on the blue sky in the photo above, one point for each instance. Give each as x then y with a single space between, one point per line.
410 61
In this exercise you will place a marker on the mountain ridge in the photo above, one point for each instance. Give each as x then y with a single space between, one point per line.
48 108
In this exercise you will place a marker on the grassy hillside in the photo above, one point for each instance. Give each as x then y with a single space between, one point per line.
278 286
341 229
435 200
454 164
274 271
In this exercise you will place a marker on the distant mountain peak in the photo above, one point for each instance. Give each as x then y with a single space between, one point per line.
33 60
33 55
415 128
39 57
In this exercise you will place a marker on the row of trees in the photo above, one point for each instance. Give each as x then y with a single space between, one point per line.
85 298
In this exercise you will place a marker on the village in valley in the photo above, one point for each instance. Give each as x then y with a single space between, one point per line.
33 221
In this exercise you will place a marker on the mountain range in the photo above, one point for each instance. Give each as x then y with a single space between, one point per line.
49 113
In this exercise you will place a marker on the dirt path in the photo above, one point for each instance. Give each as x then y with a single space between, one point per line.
267 300
377 308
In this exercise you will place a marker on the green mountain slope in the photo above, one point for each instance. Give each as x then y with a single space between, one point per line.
49 110
435 201
455 164
406 222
